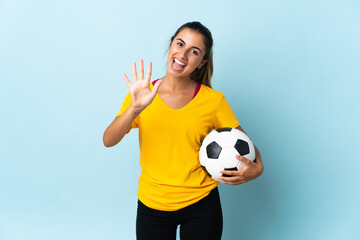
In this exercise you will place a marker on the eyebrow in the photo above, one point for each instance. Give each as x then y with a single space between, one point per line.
185 44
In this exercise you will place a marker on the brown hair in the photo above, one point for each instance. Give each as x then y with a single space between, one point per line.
204 74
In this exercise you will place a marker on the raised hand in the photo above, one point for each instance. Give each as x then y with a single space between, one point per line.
140 92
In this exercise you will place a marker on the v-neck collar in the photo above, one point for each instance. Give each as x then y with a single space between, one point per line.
196 93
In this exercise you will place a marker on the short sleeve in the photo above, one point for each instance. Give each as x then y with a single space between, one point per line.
126 103
225 117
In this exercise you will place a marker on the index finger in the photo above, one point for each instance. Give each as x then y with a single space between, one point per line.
228 173
229 179
244 160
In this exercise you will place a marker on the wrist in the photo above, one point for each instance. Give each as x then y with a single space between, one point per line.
135 109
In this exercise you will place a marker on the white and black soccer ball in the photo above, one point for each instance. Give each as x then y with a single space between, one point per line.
219 149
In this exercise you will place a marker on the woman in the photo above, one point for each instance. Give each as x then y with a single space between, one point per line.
174 114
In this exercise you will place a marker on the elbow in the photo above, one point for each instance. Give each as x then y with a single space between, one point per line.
107 143
109 140
261 170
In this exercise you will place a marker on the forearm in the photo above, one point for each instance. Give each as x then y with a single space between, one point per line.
120 126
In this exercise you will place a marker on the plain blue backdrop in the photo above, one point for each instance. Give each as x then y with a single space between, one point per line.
289 69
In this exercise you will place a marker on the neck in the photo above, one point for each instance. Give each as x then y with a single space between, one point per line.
177 85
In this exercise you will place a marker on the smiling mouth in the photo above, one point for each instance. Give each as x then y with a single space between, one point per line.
177 64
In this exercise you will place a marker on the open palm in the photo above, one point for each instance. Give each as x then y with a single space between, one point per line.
140 92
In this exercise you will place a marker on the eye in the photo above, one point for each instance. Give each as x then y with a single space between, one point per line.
194 52
180 44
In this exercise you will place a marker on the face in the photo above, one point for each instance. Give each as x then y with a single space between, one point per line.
186 53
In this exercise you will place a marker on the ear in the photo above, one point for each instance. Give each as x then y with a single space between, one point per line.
202 63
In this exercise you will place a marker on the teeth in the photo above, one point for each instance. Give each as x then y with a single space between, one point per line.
180 63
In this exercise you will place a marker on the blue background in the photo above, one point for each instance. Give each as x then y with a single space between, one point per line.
289 69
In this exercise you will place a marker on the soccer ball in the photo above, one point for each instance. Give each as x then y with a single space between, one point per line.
219 149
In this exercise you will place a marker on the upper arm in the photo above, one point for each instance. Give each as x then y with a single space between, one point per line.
240 128
257 152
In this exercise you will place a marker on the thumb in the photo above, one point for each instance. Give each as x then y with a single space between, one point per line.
245 160
156 86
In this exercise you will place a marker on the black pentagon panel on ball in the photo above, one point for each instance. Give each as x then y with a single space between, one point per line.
229 169
213 150
223 129
242 147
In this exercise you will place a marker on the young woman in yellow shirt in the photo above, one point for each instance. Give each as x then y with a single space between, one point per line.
174 114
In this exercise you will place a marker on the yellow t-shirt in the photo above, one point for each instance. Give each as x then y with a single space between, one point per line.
171 176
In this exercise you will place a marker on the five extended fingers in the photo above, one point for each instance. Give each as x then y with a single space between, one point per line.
142 85
141 72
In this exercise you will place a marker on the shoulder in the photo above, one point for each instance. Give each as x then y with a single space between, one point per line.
211 93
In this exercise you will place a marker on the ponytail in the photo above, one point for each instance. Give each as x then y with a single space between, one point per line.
204 74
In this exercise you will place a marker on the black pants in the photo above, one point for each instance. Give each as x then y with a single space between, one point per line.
201 220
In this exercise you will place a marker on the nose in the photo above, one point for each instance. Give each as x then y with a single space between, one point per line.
183 54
